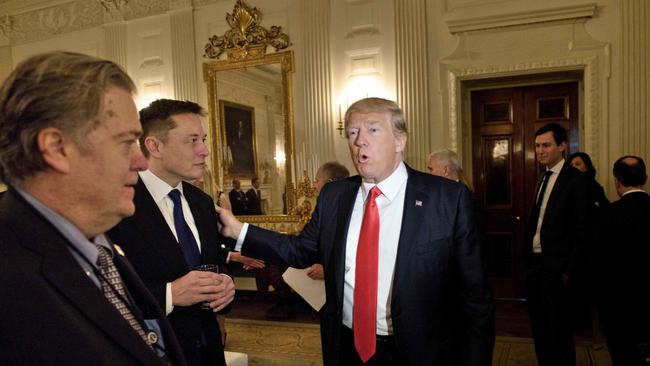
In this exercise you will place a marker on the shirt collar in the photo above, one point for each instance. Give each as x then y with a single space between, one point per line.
390 186
633 191
85 246
158 188
557 167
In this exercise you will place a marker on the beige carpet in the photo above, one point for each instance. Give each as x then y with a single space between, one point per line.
296 344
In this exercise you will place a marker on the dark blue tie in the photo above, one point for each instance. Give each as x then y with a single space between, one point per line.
185 237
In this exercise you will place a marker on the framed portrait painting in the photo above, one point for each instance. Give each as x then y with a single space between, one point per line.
238 131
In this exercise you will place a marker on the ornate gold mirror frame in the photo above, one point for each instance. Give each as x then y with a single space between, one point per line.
245 45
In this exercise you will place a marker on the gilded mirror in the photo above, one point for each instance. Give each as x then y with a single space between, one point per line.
251 125
251 115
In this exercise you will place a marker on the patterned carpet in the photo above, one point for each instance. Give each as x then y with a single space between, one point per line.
295 344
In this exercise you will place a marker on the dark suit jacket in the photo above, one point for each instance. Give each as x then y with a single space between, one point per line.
441 304
52 313
152 248
625 229
564 227
238 202
254 202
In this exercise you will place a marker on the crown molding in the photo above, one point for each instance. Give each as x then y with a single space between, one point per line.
465 24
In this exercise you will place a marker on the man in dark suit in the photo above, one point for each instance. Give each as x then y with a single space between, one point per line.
254 198
238 200
625 229
555 234
403 276
69 154
174 229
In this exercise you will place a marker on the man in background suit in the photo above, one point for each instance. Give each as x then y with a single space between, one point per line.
69 154
254 198
403 277
174 229
624 266
238 199
555 234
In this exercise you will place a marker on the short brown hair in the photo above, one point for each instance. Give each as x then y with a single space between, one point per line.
379 105
156 119
63 90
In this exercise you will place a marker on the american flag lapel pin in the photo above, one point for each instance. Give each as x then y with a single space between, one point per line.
418 203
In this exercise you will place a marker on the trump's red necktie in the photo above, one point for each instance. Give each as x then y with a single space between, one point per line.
365 283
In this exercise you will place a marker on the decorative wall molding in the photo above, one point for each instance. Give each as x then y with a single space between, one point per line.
183 54
115 40
362 18
635 93
31 23
48 22
505 19
592 93
319 120
413 77
364 61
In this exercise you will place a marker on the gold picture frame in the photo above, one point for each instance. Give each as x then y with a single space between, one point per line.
237 123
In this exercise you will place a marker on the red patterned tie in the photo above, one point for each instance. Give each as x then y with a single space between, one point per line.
365 283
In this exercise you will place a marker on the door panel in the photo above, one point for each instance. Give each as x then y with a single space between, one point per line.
505 170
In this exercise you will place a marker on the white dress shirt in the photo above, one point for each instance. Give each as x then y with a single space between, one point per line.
537 243
391 209
159 190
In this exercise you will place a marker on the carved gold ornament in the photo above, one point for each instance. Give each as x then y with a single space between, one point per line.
246 38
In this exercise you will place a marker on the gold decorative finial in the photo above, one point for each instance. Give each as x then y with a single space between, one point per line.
246 38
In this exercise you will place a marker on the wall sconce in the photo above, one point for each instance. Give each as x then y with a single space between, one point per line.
339 125
112 4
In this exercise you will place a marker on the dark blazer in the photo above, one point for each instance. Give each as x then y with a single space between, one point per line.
565 223
238 202
155 254
625 229
254 202
441 304
52 313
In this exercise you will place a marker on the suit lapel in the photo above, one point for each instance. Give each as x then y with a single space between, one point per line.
344 214
201 222
412 217
558 189
151 222
64 274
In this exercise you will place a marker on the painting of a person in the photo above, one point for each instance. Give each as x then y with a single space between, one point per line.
238 122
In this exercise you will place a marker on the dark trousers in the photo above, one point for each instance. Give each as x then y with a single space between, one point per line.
386 354
627 328
549 310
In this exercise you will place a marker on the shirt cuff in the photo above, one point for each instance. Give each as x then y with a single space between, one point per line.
240 239
169 305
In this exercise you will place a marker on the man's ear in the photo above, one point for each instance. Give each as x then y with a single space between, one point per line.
153 145
55 148
400 142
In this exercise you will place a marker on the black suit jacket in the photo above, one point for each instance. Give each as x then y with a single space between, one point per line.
564 226
238 202
254 202
52 313
625 229
441 304
151 246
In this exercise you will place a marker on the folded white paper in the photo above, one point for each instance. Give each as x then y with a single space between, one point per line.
313 291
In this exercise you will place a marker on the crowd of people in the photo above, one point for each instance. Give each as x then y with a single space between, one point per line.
108 254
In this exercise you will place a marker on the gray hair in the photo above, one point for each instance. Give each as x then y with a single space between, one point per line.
63 90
